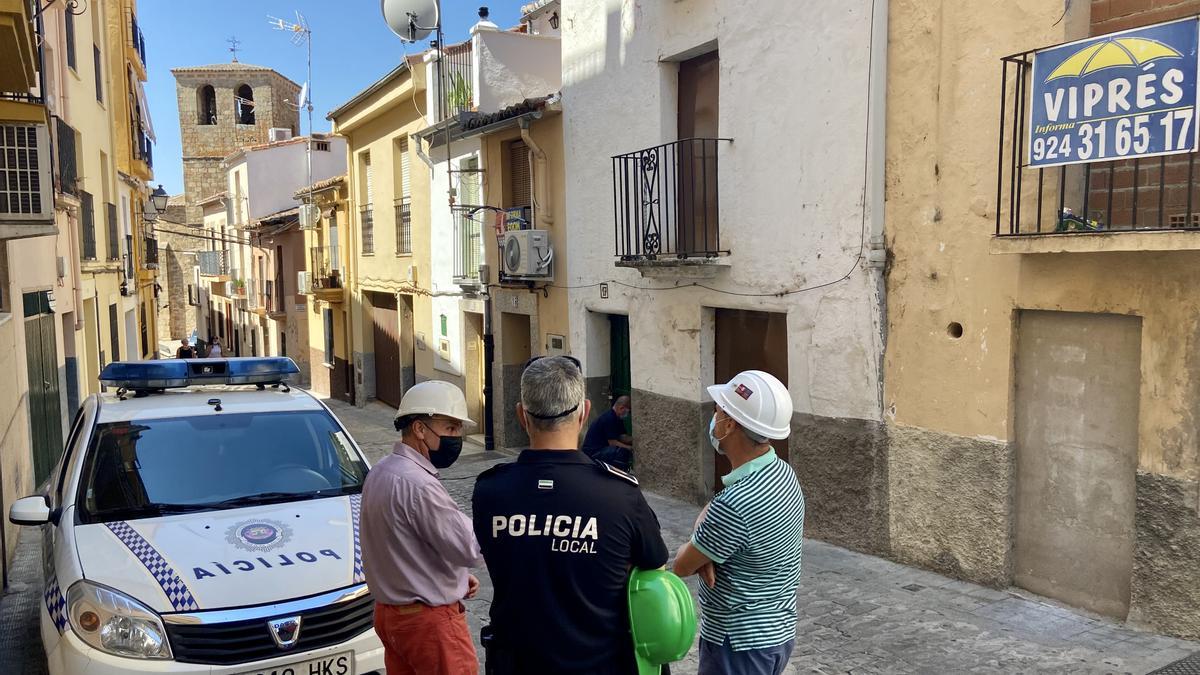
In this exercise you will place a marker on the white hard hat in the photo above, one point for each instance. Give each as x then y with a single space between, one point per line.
757 401
434 397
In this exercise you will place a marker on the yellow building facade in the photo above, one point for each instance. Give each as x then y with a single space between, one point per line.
1041 386
325 219
387 241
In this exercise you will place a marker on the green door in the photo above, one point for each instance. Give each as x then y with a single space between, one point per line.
622 382
45 415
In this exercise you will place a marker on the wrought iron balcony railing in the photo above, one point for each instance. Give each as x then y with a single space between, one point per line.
403 226
213 263
666 201
323 264
150 252
67 176
366 219
1124 195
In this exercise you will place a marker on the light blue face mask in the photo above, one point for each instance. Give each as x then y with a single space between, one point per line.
712 435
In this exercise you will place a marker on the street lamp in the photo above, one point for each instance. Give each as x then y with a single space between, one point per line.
158 201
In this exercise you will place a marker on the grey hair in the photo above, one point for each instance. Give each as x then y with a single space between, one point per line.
548 387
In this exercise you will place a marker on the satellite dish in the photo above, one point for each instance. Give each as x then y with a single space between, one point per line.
303 95
412 20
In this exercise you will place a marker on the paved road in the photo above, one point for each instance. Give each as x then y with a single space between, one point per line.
858 613
864 614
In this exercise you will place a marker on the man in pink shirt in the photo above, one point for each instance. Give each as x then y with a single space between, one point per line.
416 544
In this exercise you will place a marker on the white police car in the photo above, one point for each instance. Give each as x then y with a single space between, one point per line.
200 530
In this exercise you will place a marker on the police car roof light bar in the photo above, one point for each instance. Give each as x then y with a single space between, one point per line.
172 373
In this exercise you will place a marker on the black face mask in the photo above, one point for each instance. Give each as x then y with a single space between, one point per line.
447 451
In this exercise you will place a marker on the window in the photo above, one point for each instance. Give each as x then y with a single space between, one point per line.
327 316
403 205
71 61
24 156
99 73
150 468
206 105
321 146
334 250
245 104
5 303
114 336
114 239
366 213
87 223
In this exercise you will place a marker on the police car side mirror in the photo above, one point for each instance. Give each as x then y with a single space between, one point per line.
33 510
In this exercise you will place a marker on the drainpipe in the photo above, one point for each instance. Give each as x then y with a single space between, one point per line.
544 213
877 153
489 358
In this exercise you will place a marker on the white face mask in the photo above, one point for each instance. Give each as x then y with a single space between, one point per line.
712 436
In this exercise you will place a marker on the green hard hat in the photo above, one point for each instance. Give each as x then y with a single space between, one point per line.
662 618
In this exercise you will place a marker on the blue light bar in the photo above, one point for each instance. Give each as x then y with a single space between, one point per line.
170 373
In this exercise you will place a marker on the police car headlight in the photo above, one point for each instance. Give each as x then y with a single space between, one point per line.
116 623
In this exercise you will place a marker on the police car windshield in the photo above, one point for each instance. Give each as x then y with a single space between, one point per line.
148 468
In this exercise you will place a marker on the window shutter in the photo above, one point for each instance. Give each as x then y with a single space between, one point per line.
518 174
370 178
405 173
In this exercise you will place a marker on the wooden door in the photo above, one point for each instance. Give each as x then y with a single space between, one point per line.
698 119
386 328
748 340
45 413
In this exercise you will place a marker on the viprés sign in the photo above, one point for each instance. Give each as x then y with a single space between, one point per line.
1124 95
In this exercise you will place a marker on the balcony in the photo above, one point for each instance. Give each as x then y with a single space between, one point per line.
1141 204
214 264
67 177
458 97
150 253
667 209
113 235
403 226
274 300
18 47
87 226
468 245
326 275
137 42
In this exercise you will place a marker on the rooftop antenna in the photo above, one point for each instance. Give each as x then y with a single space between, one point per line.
301 35
234 47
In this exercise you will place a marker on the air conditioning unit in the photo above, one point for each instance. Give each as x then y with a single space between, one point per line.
276 134
303 286
227 289
528 254
309 216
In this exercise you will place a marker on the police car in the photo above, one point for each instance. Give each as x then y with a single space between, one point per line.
193 529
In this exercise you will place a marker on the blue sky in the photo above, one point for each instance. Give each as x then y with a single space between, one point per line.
352 47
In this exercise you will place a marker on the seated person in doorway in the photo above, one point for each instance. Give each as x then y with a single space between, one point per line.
606 439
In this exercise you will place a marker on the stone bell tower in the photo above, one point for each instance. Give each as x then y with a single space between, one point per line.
222 108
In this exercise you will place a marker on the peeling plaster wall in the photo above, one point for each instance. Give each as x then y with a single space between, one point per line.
791 213
514 67
949 400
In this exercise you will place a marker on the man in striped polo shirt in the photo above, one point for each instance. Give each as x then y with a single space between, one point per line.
747 542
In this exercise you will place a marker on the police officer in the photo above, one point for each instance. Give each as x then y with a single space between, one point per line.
560 533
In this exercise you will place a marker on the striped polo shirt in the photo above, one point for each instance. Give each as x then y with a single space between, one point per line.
753 531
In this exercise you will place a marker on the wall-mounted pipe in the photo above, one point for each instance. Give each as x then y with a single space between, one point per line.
541 194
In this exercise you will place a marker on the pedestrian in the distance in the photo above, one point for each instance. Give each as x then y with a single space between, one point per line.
185 351
560 533
214 349
416 544
749 537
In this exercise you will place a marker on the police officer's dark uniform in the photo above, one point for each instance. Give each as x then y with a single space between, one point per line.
559 533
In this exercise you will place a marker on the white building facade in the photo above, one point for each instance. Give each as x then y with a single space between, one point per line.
748 244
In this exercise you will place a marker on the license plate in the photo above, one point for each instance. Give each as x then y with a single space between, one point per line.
336 664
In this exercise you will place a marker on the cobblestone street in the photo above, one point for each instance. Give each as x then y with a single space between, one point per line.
858 613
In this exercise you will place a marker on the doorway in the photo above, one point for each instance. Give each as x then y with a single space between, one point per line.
622 380
91 346
749 340
474 366
45 409
516 348
698 119
131 331
408 345
385 329
1076 423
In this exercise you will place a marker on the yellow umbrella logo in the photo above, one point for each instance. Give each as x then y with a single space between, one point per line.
1113 53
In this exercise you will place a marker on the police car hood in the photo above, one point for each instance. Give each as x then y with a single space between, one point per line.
230 558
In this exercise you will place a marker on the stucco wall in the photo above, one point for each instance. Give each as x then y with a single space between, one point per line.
949 400
513 67
273 174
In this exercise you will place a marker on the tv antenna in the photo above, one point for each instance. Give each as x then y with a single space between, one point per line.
301 35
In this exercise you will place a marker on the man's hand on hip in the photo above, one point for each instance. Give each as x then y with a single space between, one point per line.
472 586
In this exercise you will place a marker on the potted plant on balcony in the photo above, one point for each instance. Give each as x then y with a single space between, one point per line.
239 287
459 96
